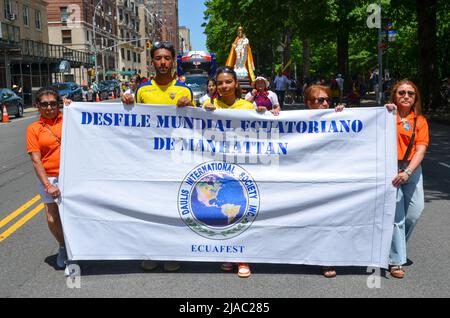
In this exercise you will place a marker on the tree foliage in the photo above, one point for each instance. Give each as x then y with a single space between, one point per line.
336 31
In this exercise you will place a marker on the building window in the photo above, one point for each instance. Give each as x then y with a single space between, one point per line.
134 57
139 59
66 36
64 14
26 17
8 9
37 18
128 55
122 52
87 35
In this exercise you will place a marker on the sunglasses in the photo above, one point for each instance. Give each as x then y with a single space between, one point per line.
44 105
403 93
321 100
162 45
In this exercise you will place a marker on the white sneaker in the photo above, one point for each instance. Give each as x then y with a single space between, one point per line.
61 259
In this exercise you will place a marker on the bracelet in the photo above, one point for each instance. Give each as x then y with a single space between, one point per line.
408 172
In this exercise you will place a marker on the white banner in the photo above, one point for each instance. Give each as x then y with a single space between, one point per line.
163 183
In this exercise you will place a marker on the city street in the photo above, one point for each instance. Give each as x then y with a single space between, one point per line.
28 251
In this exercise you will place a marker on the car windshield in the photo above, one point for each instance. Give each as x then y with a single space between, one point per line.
197 81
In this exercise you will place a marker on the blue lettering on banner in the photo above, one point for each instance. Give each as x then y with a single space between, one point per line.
192 123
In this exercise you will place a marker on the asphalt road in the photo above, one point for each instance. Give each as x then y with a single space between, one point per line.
28 254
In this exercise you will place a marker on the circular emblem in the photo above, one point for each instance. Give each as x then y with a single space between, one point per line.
406 126
218 200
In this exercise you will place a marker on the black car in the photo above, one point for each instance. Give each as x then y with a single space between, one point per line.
14 103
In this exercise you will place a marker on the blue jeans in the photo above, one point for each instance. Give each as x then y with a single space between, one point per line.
410 204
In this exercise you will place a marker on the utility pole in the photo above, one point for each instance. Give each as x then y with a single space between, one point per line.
380 58
95 41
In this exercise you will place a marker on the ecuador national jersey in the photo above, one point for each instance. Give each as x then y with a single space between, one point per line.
239 104
152 93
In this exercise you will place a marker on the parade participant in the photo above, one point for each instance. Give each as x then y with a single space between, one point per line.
212 91
44 146
135 81
318 97
164 89
412 144
229 92
262 97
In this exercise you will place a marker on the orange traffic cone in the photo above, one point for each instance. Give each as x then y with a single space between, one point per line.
97 98
112 96
5 117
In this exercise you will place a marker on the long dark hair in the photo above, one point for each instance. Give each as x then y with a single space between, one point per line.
229 70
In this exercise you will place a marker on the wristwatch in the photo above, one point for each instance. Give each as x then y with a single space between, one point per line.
408 172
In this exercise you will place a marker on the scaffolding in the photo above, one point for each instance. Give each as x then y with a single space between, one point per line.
33 65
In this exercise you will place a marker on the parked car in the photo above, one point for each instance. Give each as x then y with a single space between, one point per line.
198 83
14 103
104 90
70 90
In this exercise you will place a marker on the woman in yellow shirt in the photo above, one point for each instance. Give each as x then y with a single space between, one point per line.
229 92
230 98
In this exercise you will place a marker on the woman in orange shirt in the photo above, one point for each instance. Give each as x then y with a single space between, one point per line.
406 100
44 147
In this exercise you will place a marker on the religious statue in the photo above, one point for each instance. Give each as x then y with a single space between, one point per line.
241 57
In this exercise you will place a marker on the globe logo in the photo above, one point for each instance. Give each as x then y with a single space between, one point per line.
218 200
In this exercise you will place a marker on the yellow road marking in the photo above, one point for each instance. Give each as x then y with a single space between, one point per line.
21 222
19 211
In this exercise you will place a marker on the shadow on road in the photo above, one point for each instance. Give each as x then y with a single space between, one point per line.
101 268
436 175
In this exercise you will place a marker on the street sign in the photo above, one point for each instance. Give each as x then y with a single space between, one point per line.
392 35
64 67
374 19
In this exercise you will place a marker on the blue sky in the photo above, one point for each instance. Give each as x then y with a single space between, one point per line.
191 15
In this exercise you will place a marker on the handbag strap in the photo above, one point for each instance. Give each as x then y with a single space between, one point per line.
58 140
411 143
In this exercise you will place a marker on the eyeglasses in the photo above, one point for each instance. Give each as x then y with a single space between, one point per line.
44 105
322 100
403 93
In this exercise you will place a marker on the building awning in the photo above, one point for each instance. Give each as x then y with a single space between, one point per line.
127 73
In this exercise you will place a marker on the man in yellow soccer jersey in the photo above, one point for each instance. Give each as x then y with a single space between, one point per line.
164 89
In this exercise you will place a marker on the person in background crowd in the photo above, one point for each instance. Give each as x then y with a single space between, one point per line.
281 84
412 144
212 92
262 97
